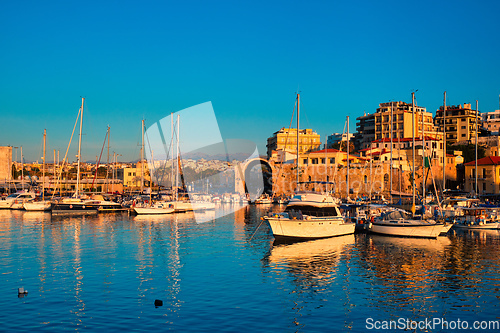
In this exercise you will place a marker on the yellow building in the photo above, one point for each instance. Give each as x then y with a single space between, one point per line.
488 176
286 140
460 123
132 176
402 125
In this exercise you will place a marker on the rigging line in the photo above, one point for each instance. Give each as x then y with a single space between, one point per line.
99 161
66 155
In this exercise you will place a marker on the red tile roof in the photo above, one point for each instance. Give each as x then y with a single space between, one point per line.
488 160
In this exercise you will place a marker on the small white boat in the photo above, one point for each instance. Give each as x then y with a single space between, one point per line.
16 200
155 209
263 200
44 205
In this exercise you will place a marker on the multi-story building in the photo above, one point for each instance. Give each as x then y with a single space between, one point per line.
365 131
491 121
286 140
132 176
460 123
335 138
379 125
402 122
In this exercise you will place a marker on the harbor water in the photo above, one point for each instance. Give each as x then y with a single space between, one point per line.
104 273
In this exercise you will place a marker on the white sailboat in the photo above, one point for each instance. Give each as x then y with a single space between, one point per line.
309 215
400 223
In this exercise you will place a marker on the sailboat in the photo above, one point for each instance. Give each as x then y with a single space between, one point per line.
309 215
151 208
76 204
44 204
401 223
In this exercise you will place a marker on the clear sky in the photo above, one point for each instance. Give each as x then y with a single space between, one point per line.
144 59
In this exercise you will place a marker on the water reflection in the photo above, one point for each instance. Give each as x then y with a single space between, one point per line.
312 267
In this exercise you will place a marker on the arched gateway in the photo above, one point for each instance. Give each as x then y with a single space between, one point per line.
254 177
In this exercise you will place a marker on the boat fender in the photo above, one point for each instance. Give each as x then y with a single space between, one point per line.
308 218
369 225
70 206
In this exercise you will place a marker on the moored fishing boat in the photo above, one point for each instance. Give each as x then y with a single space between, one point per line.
479 218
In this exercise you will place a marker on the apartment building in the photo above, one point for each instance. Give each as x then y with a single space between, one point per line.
460 123
286 140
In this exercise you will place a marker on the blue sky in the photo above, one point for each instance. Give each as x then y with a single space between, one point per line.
133 60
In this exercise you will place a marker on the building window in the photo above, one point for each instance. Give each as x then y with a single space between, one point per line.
366 179
323 161
484 187
305 161
314 161
332 160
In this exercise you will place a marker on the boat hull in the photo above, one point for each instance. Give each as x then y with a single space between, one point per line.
72 209
285 228
485 226
421 230
37 206
153 210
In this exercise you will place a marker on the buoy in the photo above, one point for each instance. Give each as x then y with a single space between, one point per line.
21 291
158 302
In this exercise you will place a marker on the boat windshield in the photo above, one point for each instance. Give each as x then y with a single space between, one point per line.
14 195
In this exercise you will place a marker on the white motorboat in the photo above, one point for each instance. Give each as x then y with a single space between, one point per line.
310 215
16 200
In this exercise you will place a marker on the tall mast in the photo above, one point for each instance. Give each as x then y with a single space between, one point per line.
477 112
22 169
444 143
298 123
172 153
142 156
347 184
107 164
423 156
43 165
79 151
413 135
390 166
178 161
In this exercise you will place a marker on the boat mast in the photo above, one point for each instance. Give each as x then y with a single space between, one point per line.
22 169
413 135
298 118
107 164
172 153
79 151
444 143
142 157
390 166
43 165
347 184
477 112
178 161
423 156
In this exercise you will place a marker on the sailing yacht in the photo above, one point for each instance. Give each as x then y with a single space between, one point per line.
401 223
309 215
75 204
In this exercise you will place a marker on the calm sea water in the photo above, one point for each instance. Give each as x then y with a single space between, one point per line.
105 273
